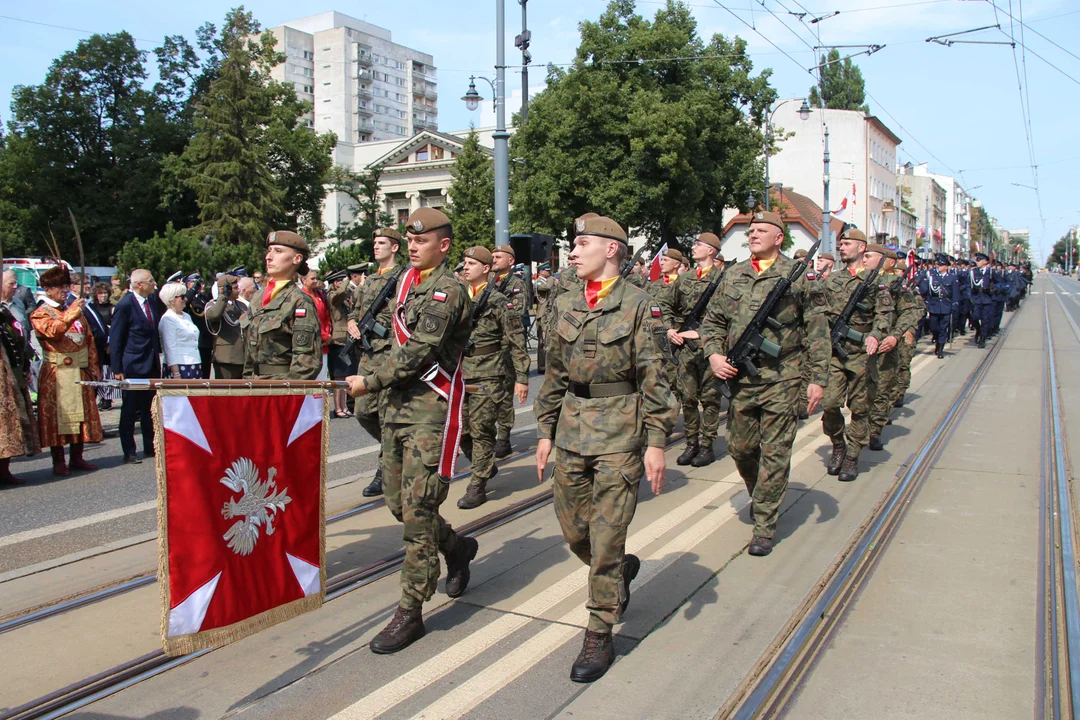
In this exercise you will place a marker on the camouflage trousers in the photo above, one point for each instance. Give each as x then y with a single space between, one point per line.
804 381
853 381
888 381
504 416
698 386
903 369
595 500
479 415
414 491
760 433
368 408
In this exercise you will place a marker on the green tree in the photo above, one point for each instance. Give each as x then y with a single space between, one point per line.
661 146
164 254
472 197
842 84
342 256
1058 256
369 213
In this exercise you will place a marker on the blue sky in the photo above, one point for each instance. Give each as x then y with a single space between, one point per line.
958 108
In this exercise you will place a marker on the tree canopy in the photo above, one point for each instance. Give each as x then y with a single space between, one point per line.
841 83
651 125
472 198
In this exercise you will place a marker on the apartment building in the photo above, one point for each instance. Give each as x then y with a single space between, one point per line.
363 86
957 211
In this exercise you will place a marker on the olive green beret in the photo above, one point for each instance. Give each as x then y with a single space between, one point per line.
768 217
600 226
289 239
427 219
675 255
506 249
709 239
853 233
480 254
388 233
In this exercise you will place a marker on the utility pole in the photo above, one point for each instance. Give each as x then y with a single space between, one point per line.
826 213
501 137
521 42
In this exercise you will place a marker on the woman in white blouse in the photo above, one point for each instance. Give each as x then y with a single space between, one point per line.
179 336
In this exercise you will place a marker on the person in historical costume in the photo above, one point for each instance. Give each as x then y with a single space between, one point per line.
67 412
18 431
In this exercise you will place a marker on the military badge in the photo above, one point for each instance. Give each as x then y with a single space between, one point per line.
430 323
417 226
580 226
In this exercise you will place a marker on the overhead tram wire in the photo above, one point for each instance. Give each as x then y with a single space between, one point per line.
1027 25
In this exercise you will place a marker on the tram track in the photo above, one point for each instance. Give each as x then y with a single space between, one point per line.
775 680
109 682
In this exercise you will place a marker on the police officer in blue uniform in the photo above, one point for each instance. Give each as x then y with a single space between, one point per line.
1017 284
1001 292
963 310
942 295
981 280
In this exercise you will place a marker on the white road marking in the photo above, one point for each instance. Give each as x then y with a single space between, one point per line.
76 523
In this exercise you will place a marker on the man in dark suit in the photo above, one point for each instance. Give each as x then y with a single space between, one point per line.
134 348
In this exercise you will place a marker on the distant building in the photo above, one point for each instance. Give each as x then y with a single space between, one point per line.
800 214
928 200
957 233
364 87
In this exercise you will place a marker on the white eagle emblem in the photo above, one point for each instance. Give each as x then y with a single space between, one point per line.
580 225
258 505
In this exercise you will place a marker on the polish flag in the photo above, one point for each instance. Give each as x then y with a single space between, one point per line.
654 266
847 206
912 263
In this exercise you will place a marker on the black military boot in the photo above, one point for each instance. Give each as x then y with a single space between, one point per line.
502 448
982 341
405 628
899 403
631 565
839 452
803 415
850 470
457 567
475 495
704 455
688 454
939 350
597 654
875 443
760 546
374 488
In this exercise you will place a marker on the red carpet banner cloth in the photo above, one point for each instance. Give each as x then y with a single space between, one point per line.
241 485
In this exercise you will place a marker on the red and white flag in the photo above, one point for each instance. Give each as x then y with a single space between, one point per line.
847 206
654 266
912 265
240 512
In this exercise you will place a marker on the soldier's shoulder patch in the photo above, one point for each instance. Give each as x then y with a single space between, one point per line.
303 338
300 312
886 298
439 296
818 298
516 290
509 306
655 310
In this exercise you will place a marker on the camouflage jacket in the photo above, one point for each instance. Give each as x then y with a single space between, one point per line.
543 287
362 298
637 280
683 295
515 289
497 331
909 308
282 339
801 314
437 315
874 318
615 341
660 291
339 304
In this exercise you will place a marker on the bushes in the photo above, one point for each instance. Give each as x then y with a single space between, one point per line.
185 251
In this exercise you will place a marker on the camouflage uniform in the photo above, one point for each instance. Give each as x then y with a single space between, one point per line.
907 351
368 407
854 380
484 366
660 291
515 289
598 463
413 420
697 383
282 339
762 417
542 287
908 313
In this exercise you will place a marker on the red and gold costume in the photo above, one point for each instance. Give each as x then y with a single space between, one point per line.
67 412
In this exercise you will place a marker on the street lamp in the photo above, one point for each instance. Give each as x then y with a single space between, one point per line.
804 113
501 137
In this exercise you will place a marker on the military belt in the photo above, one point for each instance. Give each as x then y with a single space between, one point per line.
262 368
602 390
481 350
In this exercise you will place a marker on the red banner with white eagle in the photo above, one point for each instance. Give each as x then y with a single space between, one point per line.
241 542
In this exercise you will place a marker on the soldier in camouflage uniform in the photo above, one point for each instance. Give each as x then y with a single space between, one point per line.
542 287
805 372
890 352
431 332
853 380
368 409
697 383
910 337
762 418
515 289
637 275
606 394
660 291
280 328
496 331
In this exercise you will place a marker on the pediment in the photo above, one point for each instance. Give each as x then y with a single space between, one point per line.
403 154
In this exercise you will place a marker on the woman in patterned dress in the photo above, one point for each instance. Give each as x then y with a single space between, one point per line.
67 412
179 336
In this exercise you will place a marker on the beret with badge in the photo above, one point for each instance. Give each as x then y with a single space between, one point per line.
426 219
853 233
675 255
768 217
506 249
289 239
480 254
600 226
387 232
711 240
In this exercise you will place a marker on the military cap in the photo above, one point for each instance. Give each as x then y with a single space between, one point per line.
506 249
588 215
193 277
226 278
853 233
901 266
336 275
675 255
427 219
891 254
800 253
237 271
175 277
982 256
827 256
543 266
876 248
480 254
941 258
387 233
358 268
709 239
289 239
600 226
768 217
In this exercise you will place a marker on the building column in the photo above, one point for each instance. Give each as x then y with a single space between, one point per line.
414 200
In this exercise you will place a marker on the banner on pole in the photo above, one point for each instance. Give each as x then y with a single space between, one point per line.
241 511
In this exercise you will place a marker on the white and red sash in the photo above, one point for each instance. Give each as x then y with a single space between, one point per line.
450 387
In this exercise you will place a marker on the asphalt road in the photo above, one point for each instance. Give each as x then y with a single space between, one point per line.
51 517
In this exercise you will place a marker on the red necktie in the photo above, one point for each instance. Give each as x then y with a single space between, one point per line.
268 292
146 309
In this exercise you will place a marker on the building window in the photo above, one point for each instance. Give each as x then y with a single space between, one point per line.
422 155
308 55
402 215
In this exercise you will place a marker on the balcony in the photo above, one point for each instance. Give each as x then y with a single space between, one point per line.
364 110
364 58
431 92
424 123
364 74
364 93
365 126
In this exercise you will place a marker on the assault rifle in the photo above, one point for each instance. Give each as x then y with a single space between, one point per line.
367 324
693 320
841 330
752 343
628 267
